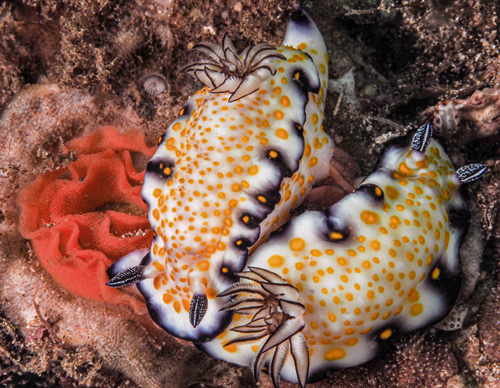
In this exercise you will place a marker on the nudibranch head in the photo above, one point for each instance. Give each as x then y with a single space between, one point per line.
243 152
383 259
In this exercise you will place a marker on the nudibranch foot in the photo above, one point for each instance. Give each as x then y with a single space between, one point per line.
243 153
327 288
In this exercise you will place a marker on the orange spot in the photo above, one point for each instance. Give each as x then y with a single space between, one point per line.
285 101
156 193
351 342
335 354
369 217
375 244
159 267
386 334
281 133
404 170
416 309
313 161
297 244
177 306
276 261
167 298
278 114
211 293
231 348
392 192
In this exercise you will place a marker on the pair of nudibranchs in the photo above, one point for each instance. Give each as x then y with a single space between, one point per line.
323 290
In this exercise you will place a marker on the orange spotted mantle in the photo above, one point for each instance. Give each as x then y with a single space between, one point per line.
226 174
383 259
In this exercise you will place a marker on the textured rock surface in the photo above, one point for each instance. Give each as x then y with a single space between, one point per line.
69 67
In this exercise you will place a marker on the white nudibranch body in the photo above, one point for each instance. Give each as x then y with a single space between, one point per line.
324 290
244 151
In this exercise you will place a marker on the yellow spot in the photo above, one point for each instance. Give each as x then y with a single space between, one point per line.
276 261
273 154
386 334
336 236
335 354
299 266
177 307
435 273
314 118
302 46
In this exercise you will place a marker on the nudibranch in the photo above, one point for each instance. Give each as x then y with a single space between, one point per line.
325 289
243 152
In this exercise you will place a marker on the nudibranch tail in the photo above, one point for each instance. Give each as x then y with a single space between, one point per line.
334 284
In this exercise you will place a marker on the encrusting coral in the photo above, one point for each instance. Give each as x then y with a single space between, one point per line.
68 214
